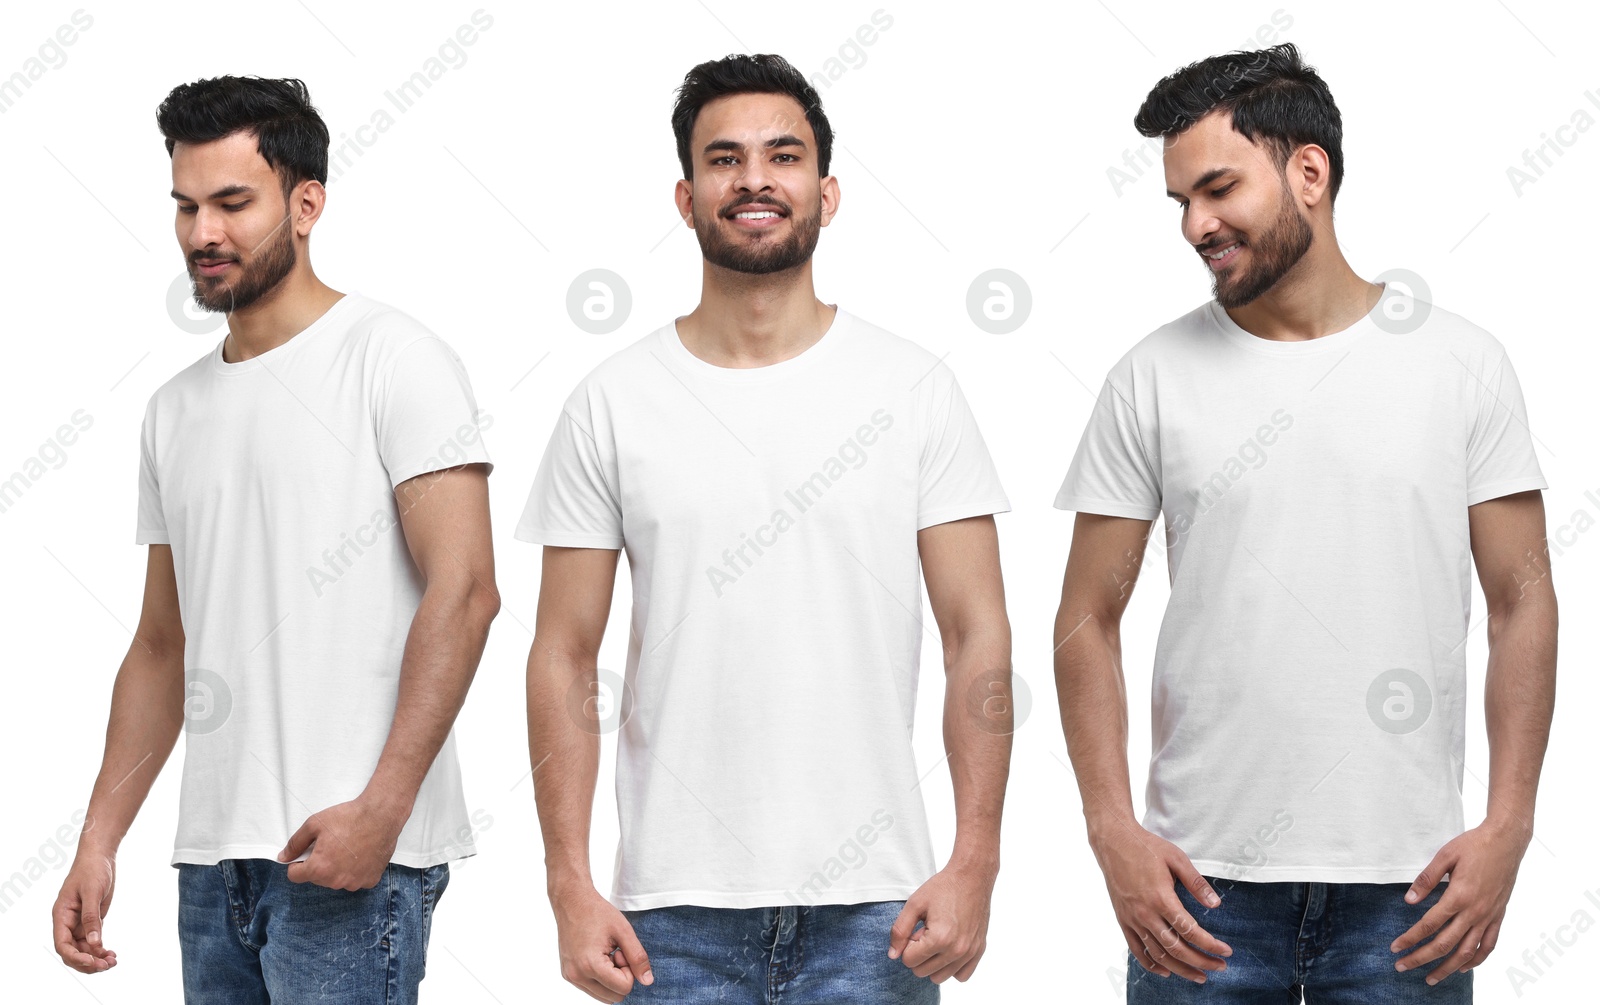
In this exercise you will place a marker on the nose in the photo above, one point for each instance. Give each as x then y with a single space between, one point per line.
754 177
206 231
1199 226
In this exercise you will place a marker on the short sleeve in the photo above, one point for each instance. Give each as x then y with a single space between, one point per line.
427 418
957 477
152 521
1500 457
573 503
1111 472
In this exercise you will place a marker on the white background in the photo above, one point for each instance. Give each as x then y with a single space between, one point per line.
967 140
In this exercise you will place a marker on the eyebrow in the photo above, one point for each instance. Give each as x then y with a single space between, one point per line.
1205 179
786 140
221 193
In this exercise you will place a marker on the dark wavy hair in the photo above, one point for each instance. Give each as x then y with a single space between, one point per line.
747 74
290 134
1274 97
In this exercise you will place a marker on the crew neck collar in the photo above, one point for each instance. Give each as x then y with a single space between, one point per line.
284 349
1342 339
679 355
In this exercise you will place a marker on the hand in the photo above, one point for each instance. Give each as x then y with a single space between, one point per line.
588 928
80 910
1140 869
351 844
1482 864
953 907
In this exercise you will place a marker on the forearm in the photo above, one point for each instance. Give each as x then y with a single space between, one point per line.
1519 701
979 719
441 657
564 752
1094 718
146 717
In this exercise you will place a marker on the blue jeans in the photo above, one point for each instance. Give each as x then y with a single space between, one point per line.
827 953
1327 940
249 936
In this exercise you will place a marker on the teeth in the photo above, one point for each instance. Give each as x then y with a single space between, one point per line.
1224 252
762 215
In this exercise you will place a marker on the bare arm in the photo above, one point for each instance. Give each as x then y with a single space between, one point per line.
574 604
1140 868
1510 551
961 564
1102 569
445 518
599 952
146 718
1513 561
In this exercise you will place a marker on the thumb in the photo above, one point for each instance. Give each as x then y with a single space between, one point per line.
1429 877
1195 883
904 923
632 952
92 923
299 841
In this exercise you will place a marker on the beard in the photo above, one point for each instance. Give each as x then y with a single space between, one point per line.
1273 254
762 254
261 275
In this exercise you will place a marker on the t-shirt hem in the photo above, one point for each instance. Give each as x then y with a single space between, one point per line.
414 860
1106 507
1307 873
961 512
1498 489
767 898
151 537
568 539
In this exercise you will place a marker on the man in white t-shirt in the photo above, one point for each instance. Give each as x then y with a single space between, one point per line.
319 588
775 468
1329 456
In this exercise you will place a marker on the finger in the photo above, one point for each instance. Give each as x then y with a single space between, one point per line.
630 953
1193 943
299 840
904 923
1141 955
592 987
1490 937
91 926
308 870
921 948
1436 947
953 967
1195 883
1429 877
72 953
1170 952
612 973
1466 950
1437 917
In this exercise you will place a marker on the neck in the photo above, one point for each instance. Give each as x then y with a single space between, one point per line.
1320 295
746 320
282 313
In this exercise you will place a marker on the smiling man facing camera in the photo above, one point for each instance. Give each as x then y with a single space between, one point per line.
776 468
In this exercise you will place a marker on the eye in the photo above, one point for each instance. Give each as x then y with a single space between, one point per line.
791 157
186 209
1224 190
722 161
235 206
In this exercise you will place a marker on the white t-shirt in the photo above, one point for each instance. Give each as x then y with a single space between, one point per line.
770 517
273 481
1309 693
